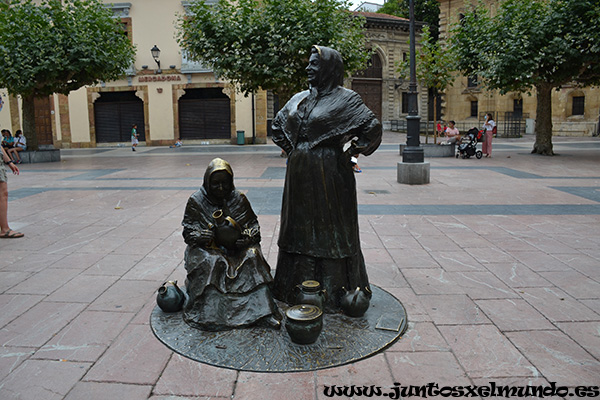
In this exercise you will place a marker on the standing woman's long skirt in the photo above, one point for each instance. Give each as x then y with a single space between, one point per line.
486 146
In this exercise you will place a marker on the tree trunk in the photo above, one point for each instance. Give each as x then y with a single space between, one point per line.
543 124
29 122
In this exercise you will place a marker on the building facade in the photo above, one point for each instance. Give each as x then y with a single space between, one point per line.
176 98
575 111
380 85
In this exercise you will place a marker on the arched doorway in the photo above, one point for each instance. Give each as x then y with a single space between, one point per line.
368 84
204 114
115 113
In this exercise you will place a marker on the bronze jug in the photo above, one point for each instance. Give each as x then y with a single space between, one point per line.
355 303
170 298
310 292
227 230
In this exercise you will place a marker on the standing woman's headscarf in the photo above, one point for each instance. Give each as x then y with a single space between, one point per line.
331 68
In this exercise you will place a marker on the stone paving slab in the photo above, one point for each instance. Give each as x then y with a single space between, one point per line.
497 262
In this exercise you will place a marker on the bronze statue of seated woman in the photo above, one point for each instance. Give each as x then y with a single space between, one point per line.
228 280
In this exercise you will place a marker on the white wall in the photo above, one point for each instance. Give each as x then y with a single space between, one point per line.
79 116
5 112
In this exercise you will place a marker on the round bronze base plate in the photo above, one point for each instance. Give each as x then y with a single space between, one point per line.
342 341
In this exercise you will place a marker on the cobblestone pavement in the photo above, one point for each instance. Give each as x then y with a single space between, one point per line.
497 262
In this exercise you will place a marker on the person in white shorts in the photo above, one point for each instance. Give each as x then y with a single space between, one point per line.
5 231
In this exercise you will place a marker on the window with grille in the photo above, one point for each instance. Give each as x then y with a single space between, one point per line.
472 81
518 107
404 103
474 108
126 27
578 105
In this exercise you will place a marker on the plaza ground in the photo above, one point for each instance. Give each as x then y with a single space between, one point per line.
497 262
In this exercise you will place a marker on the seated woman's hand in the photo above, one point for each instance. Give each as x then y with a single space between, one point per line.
205 237
243 242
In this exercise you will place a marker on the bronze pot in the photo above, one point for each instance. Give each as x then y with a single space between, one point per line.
304 323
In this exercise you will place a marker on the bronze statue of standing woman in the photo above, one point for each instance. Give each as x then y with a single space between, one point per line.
319 235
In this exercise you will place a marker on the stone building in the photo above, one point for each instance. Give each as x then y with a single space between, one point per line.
381 89
575 111
182 99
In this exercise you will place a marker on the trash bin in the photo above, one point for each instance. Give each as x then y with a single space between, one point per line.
240 137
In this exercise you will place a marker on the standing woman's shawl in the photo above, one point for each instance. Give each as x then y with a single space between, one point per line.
340 112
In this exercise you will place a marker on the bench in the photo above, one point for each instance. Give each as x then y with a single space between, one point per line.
39 156
435 150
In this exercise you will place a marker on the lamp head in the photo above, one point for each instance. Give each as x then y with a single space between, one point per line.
155 53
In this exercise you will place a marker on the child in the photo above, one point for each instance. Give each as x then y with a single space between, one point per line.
7 140
134 137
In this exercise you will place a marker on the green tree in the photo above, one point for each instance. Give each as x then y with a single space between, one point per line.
434 68
427 11
56 47
531 45
265 44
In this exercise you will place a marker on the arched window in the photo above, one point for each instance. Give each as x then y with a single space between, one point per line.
374 68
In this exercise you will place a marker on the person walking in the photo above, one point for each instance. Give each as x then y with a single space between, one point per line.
134 137
489 126
5 231
354 162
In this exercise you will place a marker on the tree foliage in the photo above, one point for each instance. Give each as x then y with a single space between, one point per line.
531 45
265 44
59 46
427 11
56 47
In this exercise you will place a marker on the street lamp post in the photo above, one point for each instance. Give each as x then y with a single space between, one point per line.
413 170
413 152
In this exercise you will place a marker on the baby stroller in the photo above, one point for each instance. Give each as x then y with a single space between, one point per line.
467 147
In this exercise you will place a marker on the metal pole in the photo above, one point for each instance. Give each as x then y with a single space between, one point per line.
253 119
413 152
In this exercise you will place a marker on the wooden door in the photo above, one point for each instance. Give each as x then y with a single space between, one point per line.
370 91
43 121
368 83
